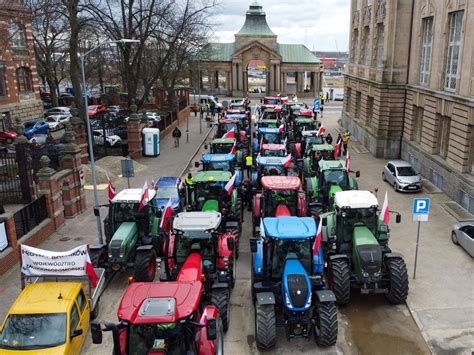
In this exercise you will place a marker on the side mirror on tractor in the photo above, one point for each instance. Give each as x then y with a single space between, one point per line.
398 218
96 332
357 173
211 329
253 245
230 243
196 164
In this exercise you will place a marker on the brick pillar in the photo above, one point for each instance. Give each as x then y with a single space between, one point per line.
80 134
74 198
134 134
10 229
51 188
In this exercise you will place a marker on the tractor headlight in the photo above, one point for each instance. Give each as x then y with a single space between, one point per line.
365 274
287 301
226 261
121 255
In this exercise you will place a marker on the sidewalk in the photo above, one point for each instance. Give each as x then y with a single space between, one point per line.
83 228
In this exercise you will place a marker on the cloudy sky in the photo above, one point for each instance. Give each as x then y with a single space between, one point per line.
320 24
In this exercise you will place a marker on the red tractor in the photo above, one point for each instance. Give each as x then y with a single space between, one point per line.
166 317
281 196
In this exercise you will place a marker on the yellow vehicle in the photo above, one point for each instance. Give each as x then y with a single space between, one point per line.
51 315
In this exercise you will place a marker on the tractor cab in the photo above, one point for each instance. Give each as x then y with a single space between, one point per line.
313 155
271 102
271 114
305 123
266 136
308 139
221 162
222 145
268 123
168 189
287 267
273 150
270 166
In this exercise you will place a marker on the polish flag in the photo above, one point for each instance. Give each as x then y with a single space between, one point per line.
347 162
110 189
317 240
261 144
287 162
144 198
281 129
262 229
284 142
320 131
230 134
90 271
385 213
234 148
153 185
230 185
167 214
337 148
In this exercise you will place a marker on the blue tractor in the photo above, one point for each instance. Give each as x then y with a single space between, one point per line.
222 162
169 189
288 284
266 135
270 166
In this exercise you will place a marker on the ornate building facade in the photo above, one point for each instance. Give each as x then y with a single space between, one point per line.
409 87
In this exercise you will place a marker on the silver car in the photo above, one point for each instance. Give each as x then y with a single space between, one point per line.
463 235
401 176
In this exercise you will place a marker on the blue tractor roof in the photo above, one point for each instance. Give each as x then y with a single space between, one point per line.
289 227
208 158
270 161
169 181
267 130
236 116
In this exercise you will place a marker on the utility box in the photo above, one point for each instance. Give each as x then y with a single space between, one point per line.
151 142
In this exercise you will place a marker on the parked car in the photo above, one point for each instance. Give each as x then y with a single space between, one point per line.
39 138
95 109
115 109
153 118
110 138
338 96
60 110
463 235
7 137
39 127
401 175
57 121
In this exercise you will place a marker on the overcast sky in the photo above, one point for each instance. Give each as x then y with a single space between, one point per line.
320 24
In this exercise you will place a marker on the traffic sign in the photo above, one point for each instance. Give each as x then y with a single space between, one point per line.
421 205
316 105
421 209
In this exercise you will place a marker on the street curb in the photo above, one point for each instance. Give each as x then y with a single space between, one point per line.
196 152
418 323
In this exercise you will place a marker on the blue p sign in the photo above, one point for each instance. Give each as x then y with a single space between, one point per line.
421 206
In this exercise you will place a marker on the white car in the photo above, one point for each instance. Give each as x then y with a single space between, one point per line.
338 96
57 121
110 139
61 110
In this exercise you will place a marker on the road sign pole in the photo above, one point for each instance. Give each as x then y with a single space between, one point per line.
416 252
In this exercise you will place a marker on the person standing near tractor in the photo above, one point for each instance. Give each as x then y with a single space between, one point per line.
176 135
345 140
248 165
248 194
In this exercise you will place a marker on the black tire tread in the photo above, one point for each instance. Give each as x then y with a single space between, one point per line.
328 324
142 261
398 290
221 298
265 321
341 281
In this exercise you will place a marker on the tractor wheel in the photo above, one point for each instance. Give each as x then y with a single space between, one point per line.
326 324
238 209
265 326
145 266
219 342
234 270
398 289
95 311
221 299
340 280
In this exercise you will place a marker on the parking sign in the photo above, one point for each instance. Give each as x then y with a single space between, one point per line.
421 209
316 105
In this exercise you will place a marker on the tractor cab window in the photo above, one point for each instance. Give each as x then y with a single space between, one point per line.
221 148
270 138
281 197
358 216
167 192
226 127
272 170
151 338
124 212
284 249
207 192
336 177
271 101
274 153
219 165
195 241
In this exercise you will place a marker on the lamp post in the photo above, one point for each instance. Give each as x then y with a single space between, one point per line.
199 95
89 130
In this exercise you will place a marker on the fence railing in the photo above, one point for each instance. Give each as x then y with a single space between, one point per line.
30 216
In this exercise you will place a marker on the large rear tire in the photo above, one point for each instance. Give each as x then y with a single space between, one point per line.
95 311
326 324
221 299
219 342
398 289
145 266
265 326
340 280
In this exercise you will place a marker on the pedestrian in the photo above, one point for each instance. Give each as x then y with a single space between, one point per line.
176 136
248 165
345 140
327 96
321 109
339 141
195 108
329 138
248 194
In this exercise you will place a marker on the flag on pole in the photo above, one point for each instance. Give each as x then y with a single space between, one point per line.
234 148
144 197
153 184
229 134
347 163
320 131
230 184
90 271
261 144
167 214
287 162
337 148
385 213
110 189
281 129
262 229
317 240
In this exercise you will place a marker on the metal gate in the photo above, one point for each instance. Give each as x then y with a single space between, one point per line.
109 135
10 186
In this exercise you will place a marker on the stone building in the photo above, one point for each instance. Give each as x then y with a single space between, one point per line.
409 87
225 65
19 85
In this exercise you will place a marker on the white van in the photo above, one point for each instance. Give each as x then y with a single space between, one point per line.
204 99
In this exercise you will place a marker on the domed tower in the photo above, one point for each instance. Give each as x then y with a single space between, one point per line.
256 28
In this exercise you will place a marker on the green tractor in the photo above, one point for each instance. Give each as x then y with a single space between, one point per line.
131 236
331 177
355 243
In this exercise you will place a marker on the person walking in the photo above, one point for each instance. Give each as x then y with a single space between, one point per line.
345 140
329 138
248 194
176 135
321 109
248 165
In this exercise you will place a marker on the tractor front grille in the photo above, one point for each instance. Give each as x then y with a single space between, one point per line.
114 248
298 290
370 258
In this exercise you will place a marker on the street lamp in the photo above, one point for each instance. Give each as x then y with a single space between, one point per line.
89 131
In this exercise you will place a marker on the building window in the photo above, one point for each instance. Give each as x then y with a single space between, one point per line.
347 99
454 47
355 46
358 4
437 179
427 28
418 123
23 78
370 109
357 105
380 44
366 46
3 85
466 201
18 38
443 136
413 160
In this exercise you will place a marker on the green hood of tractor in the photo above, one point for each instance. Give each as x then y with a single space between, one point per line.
333 189
123 242
210 206
366 255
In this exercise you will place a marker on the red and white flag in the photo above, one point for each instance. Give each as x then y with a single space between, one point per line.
385 213
144 198
261 144
229 134
110 189
347 163
337 148
230 185
90 271
152 185
287 162
320 131
167 214
234 148
317 240
281 129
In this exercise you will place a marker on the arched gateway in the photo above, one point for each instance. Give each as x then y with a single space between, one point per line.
287 69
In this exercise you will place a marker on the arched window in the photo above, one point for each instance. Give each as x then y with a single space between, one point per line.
23 78
18 38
